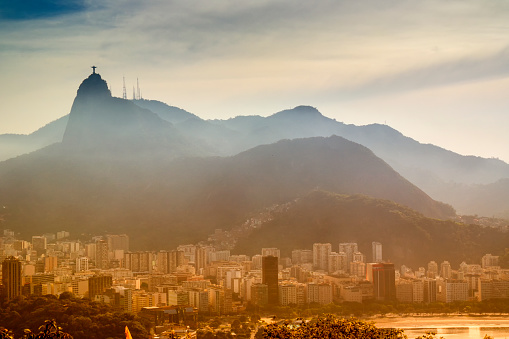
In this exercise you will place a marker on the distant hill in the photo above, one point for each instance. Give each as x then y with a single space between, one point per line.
407 236
163 202
407 156
12 145
489 200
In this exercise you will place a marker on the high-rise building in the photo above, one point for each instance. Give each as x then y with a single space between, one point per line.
81 264
445 270
358 269
189 251
349 248
337 263
217 255
493 289
11 277
259 294
410 291
50 264
452 290
90 251
39 244
489 261
430 290
272 251
199 298
202 257
321 254
432 269
79 286
359 257
62 235
377 251
177 258
287 294
98 285
118 242
257 262
319 293
270 268
302 257
101 254
384 285
138 261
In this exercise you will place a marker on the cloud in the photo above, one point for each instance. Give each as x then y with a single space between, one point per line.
440 74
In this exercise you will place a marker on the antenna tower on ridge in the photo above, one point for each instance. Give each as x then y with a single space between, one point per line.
134 94
138 89
124 93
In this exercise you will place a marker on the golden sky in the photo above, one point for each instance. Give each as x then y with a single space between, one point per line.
437 71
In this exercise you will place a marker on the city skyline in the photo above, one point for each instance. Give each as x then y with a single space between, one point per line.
436 72
177 281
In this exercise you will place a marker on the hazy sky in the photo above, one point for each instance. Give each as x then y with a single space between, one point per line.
438 71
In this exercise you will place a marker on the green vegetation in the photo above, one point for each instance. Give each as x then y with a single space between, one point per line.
80 318
407 236
330 327
504 258
46 331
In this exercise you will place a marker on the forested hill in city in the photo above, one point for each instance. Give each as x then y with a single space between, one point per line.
442 174
408 237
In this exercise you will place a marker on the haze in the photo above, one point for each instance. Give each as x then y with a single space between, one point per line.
434 70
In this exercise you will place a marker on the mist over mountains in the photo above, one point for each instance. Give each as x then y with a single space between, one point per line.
166 176
408 236
444 175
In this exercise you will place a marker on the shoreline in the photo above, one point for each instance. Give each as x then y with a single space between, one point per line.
416 322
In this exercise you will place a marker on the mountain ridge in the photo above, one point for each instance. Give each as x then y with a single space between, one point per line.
407 236
165 202
442 174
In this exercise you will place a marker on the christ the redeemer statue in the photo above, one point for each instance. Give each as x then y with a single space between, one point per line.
93 68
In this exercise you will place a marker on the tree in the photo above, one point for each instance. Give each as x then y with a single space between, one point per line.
236 325
81 318
49 330
331 327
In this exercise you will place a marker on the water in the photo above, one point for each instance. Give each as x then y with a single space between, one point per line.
463 327
473 332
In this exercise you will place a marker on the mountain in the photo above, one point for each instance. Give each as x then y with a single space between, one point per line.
291 168
407 236
404 154
442 174
165 201
171 114
12 145
489 200
100 124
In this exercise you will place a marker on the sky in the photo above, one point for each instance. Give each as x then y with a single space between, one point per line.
437 71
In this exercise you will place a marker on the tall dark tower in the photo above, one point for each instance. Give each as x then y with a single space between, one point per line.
11 277
384 286
270 267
